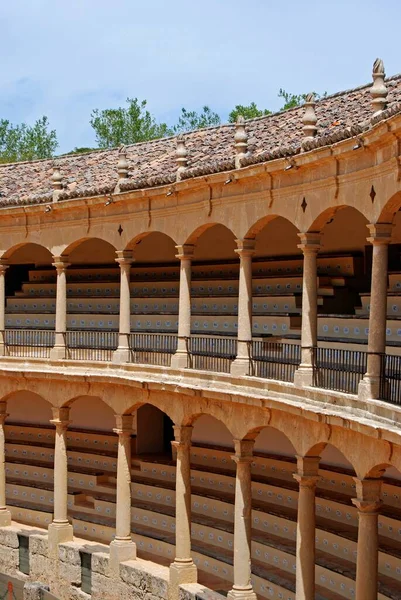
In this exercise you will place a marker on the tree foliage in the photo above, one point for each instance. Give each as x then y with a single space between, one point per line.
190 120
126 125
250 111
26 142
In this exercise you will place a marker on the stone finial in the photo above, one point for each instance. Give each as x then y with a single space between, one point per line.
240 141
57 182
181 156
378 90
309 119
122 165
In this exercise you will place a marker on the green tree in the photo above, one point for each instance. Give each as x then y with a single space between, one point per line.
293 100
120 126
26 142
80 150
251 111
190 120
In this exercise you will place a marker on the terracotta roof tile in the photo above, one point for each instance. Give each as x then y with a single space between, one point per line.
209 150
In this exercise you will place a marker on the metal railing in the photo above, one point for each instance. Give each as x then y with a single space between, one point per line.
274 360
390 379
152 348
211 353
338 369
91 345
32 343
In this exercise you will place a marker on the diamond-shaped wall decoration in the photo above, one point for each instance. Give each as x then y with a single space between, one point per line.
120 230
372 194
304 204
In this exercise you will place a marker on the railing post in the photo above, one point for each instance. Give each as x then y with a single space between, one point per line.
59 349
310 246
3 269
380 237
179 360
60 530
245 250
123 352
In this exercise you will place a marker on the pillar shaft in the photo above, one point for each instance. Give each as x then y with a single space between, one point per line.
124 259
60 529
185 255
307 476
3 268
183 569
368 503
242 587
245 251
380 239
5 515
61 307
310 245
122 547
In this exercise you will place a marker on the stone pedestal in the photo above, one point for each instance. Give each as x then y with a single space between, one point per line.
183 569
368 503
59 349
242 588
245 250
310 246
307 477
185 254
380 238
123 548
123 353
60 530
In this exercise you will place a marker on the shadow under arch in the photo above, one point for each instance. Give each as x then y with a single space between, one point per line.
28 253
83 409
92 398
153 246
390 209
263 222
209 430
327 216
99 249
25 402
270 440
202 229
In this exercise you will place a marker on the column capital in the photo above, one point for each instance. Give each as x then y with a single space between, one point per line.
310 241
243 450
61 263
182 435
368 493
185 251
245 247
61 417
3 266
123 425
124 257
379 233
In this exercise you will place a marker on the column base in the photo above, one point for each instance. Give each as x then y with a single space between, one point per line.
120 551
3 349
240 366
183 572
369 388
121 355
238 593
58 353
179 360
5 518
58 533
304 376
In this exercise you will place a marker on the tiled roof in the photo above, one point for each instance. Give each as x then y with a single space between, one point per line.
209 150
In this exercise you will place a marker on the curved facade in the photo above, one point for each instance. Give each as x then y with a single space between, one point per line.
200 360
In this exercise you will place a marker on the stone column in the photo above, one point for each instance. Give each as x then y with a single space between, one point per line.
310 245
122 354
368 503
122 548
307 477
185 254
380 237
245 250
5 515
242 588
3 268
60 530
183 569
59 349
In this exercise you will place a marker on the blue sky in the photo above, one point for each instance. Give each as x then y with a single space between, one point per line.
63 58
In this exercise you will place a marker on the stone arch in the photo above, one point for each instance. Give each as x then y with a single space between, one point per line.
20 404
263 222
271 440
82 410
26 252
106 400
390 209
153 246
99 250
209 430
275 235
349 220
213 241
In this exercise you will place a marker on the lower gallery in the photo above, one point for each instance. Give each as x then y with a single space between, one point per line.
200 364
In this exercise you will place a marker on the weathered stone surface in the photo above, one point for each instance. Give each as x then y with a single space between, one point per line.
38 545
69 553
33 590
9 537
